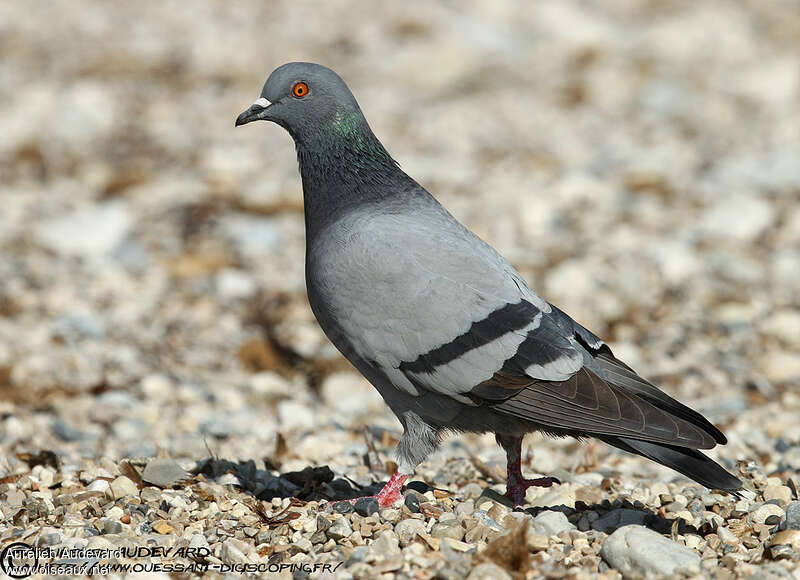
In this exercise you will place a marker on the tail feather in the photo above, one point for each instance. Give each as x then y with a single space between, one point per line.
689 462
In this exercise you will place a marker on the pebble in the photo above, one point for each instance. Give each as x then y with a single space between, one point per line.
561 495
343 507
122 487
101 485
760 514
303 544
340 529
549 523
789 538
150 494
112 527
465 507
781 493
15 498
90 232
412 502
488 571
233 551
738 216
639 551
294 415
49 538
235 284
408 529
66 432
483 517
390 515
348 392
367 506
537 542
254 235
386 545
162 527
115 512
199 541
448 529
618 518
430 510
163 472
792 516
726 536
270 385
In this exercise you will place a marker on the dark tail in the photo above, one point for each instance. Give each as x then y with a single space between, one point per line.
689 462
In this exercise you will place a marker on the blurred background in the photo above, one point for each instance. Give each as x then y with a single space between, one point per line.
639 162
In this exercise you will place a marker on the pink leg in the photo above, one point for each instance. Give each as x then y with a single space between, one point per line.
391 491
388 495
516 485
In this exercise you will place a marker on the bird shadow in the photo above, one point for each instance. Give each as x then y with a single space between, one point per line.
321 484
606 516
619 514
309 484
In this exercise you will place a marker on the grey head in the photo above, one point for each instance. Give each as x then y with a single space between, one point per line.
341 161
305 99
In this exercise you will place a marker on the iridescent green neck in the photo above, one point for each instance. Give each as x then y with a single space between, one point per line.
348 124
342 165
345 149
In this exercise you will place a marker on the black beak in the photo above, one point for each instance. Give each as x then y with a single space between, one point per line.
255 113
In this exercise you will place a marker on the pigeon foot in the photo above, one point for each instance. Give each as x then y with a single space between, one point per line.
516 487
390 493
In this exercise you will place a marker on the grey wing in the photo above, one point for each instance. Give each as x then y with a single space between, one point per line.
603 397
447 314
553 381
430 304
617 372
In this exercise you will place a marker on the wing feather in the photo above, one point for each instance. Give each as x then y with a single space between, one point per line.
450 315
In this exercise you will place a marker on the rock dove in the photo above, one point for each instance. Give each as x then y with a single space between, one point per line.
439 322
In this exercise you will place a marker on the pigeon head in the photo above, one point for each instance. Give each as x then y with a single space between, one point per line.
306 99
336 149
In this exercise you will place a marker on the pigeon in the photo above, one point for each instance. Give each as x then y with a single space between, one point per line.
440 323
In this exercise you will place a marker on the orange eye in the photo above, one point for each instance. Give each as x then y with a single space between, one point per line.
300 90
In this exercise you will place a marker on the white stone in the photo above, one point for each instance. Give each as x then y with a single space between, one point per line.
408 529
488 571
255 236
677 261
785 324
115 513
233 551
122 487
349 393
760 514
293 415
738 216
726 536
386 544
270 385
638 551
156 386
550 523
781 366
235 284
98 485
89 232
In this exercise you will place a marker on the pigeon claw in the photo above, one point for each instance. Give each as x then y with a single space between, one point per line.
516 488
391 492
386 497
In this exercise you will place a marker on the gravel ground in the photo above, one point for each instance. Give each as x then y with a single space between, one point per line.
164 384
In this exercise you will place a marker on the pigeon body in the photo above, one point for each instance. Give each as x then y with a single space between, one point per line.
439 322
